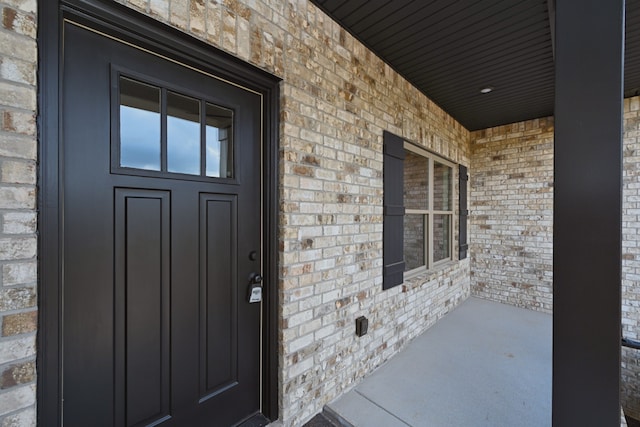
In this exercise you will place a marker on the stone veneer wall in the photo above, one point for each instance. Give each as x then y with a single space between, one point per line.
18 243
630 395
336 99
511 218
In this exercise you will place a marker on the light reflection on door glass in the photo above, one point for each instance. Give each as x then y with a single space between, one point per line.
139 125
219 148
183 134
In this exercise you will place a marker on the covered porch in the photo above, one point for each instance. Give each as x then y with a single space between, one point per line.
483 364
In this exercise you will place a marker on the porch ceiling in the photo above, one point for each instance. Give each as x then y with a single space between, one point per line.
450 50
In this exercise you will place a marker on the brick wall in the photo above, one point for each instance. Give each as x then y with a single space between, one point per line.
511 218
336 99
511 225
18 314
631 256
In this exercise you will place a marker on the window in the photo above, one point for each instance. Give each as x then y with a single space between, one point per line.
428 218
419 211
165 131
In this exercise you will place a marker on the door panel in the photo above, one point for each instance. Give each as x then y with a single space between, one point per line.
157 329
219 346
142 261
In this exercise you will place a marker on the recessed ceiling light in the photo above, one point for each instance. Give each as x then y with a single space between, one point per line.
486 89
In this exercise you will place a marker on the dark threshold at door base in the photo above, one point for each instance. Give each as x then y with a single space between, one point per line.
258 420
319 421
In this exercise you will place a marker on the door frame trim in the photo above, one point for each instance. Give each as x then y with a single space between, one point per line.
129 25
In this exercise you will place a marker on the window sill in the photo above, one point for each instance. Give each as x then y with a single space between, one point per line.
418 277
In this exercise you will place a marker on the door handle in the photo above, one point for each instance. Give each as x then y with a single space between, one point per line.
255 288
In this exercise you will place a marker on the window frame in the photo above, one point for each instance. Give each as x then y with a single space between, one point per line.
430 212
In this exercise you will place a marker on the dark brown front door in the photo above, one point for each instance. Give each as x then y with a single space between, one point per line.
161 229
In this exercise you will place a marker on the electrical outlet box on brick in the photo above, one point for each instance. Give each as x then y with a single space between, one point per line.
362 325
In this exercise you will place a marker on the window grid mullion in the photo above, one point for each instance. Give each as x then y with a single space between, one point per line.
203 138
163 130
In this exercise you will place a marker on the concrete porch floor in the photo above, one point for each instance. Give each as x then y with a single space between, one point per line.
483 364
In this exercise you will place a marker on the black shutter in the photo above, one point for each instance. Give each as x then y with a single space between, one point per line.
464 212
393 224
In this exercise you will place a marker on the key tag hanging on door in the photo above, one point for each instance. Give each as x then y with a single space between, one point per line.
255 289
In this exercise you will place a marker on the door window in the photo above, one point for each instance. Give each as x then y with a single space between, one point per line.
162 130
183 134
139 125
219 153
